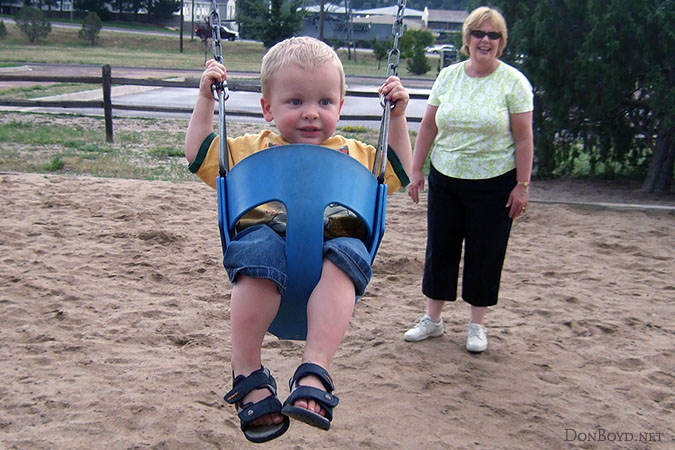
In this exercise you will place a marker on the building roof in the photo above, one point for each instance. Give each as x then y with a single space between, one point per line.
389 11
444 15
411 24
327 7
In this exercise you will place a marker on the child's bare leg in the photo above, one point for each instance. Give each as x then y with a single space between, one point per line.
253 306
329 312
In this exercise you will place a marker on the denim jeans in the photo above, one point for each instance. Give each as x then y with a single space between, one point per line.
259 252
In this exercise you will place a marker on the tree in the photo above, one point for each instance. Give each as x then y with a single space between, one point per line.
604 83
91 27
204 33
97 6
162 9
413 44
380 51
418 64
271 22
3 29
412 39
33 23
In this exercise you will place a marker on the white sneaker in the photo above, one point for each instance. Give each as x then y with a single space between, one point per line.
477 341
424 329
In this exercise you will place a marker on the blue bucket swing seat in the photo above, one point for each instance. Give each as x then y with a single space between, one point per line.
318 176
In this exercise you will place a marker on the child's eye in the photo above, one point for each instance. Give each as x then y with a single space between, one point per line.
296 102
325 102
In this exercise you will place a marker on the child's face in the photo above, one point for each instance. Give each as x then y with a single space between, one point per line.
305 105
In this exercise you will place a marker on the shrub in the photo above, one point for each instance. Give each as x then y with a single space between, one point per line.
33 23
54 165
418 64
3 29
380 51
91 27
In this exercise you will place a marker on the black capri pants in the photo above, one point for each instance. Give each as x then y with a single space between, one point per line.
472 212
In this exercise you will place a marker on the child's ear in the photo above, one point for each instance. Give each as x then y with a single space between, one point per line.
266 109
342 102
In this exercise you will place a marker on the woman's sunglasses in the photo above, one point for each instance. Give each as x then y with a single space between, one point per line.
492 35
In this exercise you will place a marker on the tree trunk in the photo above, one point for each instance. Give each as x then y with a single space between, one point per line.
660 174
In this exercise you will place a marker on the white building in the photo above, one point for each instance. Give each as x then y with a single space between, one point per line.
202 10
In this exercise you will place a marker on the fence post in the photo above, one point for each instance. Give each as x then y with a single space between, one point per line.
107 102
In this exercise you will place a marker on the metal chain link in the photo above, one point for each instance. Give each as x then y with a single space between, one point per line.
397 32
219 89
214 20
392 70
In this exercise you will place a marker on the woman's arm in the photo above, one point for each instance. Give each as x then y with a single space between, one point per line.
521 130
425 137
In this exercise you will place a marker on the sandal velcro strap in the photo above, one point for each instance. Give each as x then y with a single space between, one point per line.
260 379
249 412
312 369
326 399
252 411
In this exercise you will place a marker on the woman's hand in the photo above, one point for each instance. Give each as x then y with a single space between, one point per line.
416 185
518 201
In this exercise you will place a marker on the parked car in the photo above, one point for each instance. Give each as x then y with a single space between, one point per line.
226 33
440 47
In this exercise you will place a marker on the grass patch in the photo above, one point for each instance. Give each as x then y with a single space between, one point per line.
44 90
145 149
166 151
354 129
361 133
148 149
54 165
63 46
46 133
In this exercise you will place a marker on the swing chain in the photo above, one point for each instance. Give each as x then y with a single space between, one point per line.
214 20
394 56
219 90
397 32
392 69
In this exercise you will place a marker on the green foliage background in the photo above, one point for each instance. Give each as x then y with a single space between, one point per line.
604 83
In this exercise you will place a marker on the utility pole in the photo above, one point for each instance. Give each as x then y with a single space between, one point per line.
350 27
181 25
321 19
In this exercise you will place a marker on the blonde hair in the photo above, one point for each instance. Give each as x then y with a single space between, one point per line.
477 18
307 52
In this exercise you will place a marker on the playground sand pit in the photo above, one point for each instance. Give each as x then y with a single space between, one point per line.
114 322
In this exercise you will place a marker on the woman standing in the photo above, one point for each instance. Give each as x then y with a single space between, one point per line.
478 126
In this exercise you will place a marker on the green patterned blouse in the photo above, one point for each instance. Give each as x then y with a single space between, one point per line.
473 118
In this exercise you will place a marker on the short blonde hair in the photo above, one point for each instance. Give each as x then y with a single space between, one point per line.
307 52
477 18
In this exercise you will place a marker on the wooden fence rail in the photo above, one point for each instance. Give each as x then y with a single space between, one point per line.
106 80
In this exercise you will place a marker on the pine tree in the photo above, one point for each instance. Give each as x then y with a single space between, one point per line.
33 23
91 27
